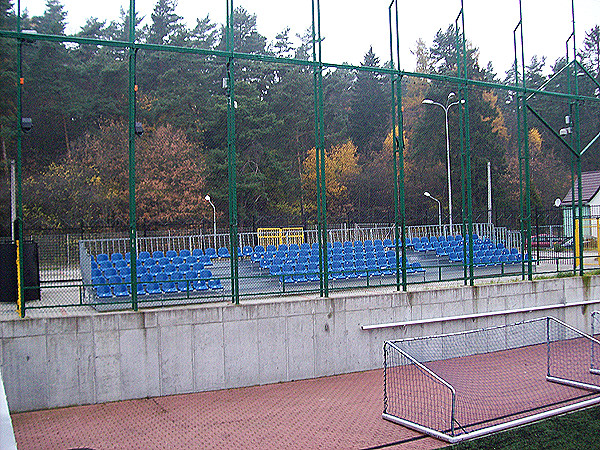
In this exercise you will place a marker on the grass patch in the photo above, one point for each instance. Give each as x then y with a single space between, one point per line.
577 430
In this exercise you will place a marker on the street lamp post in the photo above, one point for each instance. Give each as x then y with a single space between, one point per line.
427 194
446 108
207 198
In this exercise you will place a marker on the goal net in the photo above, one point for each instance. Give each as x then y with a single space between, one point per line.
463 385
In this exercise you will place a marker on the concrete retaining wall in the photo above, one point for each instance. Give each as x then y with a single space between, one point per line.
53 362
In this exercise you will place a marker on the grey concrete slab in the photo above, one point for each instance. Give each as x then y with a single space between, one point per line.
209 356
175 359
240 342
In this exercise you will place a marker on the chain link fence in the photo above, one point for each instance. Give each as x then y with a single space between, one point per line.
204 163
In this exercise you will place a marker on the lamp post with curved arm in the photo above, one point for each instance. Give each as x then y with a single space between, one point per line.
446 107
427 194
207 198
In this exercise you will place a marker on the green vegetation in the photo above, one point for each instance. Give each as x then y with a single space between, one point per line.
77 97
577 430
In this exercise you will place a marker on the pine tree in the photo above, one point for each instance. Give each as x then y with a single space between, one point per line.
369 116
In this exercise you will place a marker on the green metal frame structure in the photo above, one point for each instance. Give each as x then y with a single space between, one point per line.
318 66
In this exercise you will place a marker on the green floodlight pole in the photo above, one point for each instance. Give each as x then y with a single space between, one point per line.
233 224
317 156
526 159
400 148
519 149
322 145
577 142
320 148
463 184
132 205
19 227
398 157
464 107
574 156
524 154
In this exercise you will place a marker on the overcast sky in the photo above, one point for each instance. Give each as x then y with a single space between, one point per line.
350 26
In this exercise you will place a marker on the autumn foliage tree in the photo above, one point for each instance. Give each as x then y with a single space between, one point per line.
90 186
341 170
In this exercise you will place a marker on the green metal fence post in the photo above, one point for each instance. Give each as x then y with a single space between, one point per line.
526 158
577 133
399 166
464 95
132 202
520 111
233 224
393 78
320 148
19 228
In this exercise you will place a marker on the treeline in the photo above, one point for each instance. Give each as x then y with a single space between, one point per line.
75 163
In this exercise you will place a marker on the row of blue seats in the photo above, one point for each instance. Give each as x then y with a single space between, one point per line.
150 263
162 283
337 270
419 246
114 258
154 270
306 257
485 260
458 238
479 251
314 247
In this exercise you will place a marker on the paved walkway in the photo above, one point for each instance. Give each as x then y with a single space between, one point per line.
338 412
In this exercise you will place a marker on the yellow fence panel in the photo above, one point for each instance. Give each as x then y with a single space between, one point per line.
278 236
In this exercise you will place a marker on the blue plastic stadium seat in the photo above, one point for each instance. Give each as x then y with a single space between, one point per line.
103 291
158 254
169 287
102 257
120 290
153 288
205 260
215 284
154 270
416 266
361 268
110 272
144 255
184 253
373 268
312 271
177 261
197 267
116 257
191 260
199 285
223 252
197 252
162 262
146 278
